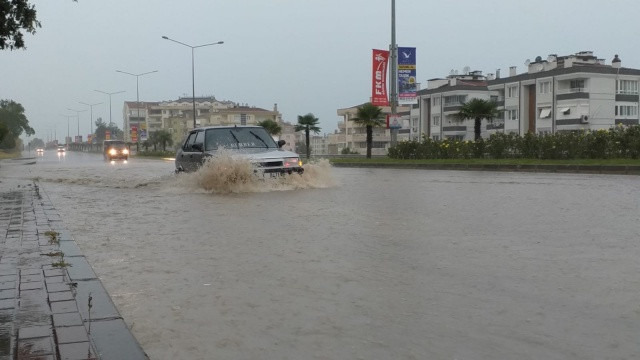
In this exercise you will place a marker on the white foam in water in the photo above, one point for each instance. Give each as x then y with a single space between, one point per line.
224 173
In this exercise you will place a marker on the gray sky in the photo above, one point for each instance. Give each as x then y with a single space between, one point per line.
305 55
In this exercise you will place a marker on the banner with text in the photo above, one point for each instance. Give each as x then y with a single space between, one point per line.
407 85
379 78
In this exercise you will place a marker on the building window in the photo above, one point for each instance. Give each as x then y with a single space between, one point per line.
436 101
454 100
242 118
544 113
436 120
512 114
577 85
627 110
435 137
627 87
545 87
512 91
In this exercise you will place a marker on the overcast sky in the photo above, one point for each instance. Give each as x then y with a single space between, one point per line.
308 56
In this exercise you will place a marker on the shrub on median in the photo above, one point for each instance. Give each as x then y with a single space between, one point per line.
619 142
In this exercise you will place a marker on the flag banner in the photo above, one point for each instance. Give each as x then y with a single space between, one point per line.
134 133
379 78
407 85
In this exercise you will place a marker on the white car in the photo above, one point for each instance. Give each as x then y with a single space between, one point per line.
251 142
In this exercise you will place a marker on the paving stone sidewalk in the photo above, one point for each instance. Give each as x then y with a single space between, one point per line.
52 305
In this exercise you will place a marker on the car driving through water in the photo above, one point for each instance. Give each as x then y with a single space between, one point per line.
249 142
115 149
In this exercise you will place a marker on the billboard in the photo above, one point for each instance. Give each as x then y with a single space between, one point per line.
134 133
379 78
407 85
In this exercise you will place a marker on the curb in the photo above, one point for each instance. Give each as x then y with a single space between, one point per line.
542 168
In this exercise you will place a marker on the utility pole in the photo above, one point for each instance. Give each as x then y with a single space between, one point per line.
393 75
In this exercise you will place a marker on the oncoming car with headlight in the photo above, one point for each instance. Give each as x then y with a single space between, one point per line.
115 149
249 142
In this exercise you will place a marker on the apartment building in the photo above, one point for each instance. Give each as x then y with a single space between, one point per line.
559 93
354 136
176 116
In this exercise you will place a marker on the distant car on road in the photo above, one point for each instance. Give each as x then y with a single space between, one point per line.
40 150
115 149
61 148
250 142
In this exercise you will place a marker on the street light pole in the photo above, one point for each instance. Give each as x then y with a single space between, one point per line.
193 76
137 89
78 115
91 107
107 93
393 75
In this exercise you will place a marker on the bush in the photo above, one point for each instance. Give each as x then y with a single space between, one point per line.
620 142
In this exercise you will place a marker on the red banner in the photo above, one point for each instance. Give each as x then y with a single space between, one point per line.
379 78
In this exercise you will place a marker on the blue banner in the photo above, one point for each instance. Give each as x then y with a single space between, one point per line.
407 84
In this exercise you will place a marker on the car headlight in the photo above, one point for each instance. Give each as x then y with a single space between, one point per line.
292 162
125 151
113 152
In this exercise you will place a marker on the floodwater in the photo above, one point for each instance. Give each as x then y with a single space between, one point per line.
357 263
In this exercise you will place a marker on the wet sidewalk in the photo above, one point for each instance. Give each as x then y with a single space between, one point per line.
52 305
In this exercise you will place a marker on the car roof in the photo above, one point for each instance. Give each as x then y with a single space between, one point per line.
226 127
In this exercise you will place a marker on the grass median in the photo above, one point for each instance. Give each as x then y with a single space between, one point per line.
387 160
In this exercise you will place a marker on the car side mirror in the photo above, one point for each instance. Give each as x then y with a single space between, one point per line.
281 143
198 147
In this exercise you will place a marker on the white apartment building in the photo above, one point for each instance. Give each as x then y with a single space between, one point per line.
560 93
176 116
443 98
353 136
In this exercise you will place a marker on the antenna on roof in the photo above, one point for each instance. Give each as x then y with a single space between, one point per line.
527 62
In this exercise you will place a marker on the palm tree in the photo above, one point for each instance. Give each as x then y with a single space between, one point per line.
272 127
478 109
307 123
164 138
369 115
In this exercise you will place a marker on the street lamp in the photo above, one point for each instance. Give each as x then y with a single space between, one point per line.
78 115
137 92
91 107
68 135
113 93
193 78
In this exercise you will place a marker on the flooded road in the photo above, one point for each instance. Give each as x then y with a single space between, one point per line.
358 263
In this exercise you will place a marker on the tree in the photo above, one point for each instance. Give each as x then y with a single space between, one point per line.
271 126
14 122
16 16
370 116
102 127
162 138
478 109
36 143
307 123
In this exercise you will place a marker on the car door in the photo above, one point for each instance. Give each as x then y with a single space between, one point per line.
185 155
198 150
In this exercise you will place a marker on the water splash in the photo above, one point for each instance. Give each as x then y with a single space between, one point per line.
225 173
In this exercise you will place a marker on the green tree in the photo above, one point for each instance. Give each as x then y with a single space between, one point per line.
307 123
478 109
272 127
36 143
13 119
16 16
102 127
163 138
370 116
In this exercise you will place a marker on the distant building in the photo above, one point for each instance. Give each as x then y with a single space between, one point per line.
560 93
353 136
176 116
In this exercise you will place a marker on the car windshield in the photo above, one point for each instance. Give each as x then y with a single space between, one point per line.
239 138
114 144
